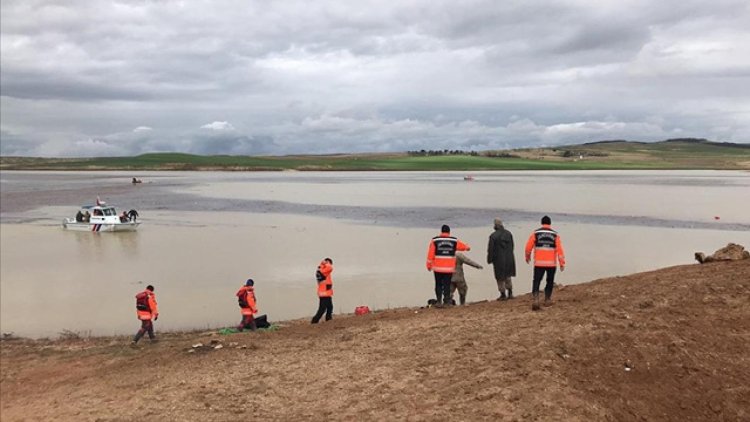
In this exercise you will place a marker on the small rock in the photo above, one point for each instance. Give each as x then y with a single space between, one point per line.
218 346
233 344
197 345
215 342
191 351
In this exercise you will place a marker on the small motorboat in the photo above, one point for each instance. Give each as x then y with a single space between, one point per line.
468 178
102 218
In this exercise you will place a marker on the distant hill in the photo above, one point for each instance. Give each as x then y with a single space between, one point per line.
687 153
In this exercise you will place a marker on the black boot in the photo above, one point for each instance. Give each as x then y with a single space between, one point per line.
535 302
502 296
510 294
462 299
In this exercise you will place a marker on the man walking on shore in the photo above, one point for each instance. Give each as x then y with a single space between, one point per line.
548 250
145 305
500 255
441 260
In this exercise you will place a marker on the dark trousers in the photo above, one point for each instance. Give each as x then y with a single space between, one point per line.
247 322
146 327
443 287
326 305
538 274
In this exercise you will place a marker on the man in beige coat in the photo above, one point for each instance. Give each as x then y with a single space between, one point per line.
458 281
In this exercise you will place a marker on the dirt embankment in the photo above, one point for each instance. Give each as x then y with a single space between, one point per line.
672 344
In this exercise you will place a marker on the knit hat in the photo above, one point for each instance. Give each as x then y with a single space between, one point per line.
249 282
445 229
546 220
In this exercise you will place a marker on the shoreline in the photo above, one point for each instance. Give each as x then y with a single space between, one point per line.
618 348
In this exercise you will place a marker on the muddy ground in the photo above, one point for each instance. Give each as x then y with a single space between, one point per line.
672 344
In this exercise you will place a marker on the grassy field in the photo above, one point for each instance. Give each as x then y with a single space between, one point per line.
672 154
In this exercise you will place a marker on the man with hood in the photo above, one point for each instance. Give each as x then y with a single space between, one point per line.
500 255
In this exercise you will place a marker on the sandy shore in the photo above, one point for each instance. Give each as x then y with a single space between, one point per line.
672 344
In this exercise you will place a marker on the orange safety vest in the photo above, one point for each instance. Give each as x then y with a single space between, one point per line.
441 254
249 293
153 310
547 246
325 287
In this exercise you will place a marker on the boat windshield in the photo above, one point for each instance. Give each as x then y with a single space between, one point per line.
109 211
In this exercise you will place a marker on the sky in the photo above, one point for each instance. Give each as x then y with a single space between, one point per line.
117 78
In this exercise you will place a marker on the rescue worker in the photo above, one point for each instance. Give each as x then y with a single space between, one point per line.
548 251
325 290
500 255
441 260
458 281
248 307
147 312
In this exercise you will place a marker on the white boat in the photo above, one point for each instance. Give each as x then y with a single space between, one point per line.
101 218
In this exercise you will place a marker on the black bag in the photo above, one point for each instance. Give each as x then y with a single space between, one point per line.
261 321
141 302
241 300
319 276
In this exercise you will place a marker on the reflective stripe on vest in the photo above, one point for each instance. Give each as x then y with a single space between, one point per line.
545 253
445 254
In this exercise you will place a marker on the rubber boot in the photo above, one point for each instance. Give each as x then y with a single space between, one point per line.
462 299
535 302
510 294
502 296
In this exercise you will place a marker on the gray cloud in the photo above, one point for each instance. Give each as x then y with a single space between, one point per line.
79 77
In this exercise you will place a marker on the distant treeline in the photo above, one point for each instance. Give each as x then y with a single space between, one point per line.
437 152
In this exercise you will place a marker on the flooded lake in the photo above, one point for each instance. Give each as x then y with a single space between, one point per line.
204 233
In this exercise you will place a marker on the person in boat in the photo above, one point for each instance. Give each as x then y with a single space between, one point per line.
79 216
132 215
98 212
124 217
248 307
86 217
145 304
136 180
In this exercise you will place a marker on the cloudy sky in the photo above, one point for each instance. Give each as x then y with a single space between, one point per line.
104 78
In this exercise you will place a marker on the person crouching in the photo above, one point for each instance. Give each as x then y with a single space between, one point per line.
248 308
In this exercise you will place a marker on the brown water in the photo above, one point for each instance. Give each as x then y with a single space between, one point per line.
203 234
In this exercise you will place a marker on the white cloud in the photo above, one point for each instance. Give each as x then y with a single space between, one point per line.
368 76
218 126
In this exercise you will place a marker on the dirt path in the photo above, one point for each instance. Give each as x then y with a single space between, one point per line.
672 344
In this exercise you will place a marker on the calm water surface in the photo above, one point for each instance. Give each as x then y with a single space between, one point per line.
204 233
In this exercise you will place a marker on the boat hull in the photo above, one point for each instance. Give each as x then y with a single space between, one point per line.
71 224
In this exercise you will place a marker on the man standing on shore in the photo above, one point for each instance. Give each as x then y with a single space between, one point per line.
500 255
145 305
248 307
441 260
325 290
548 250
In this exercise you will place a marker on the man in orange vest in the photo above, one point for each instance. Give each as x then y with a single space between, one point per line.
548 250
325 290
441 260
248 307
145 304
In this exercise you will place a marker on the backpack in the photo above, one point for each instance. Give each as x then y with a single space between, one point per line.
242 299
141 302
319 276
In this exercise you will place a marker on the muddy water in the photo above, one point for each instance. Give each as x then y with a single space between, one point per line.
203 234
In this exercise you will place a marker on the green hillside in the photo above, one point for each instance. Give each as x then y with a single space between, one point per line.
670 154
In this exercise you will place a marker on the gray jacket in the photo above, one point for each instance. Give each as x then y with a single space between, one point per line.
458 274
500 253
